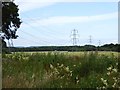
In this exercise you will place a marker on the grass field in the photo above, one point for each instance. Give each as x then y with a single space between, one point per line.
61 70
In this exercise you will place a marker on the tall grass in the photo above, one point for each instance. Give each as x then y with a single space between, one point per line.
56 70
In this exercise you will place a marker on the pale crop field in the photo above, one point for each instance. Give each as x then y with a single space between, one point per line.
61 70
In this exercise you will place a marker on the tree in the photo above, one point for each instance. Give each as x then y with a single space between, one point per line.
10 20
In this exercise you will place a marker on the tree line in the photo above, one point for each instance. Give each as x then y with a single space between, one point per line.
106 47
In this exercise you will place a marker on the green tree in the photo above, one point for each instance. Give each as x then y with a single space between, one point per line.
10 20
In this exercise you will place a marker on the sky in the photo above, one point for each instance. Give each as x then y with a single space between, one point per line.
52 23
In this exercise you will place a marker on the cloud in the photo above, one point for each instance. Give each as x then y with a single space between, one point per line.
29 5
67 1
72 19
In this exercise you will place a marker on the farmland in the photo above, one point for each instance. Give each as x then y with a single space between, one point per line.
61 70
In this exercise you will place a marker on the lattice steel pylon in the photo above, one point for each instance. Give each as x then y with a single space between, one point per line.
75 37
10 44
99 43
90 39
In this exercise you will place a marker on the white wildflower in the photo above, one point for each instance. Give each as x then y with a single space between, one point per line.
61 86
105 82
61 65
13 57
58 64
109 68
77 81
108 73
115 70
77 77
33 75
71 74
117 63
70 71
51 66
113 85
114 78
55 69
102 79
67 69
74 65
103 87
62 77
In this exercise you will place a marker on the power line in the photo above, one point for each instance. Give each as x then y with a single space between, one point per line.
37 29
34 36
42 25
50 35
31 35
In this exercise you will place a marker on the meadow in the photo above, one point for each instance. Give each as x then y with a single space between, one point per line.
61 70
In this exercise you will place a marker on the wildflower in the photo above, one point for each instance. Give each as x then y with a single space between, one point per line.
74 65
8 76
115 79
77 81
117 63
103 87
71 74
108 73
113 85
61 86
61 65
13 57
109 68
67 69
26 58
58 64
115 70
51 66
33 75
55 69
77 77
105 82
102 79
98 88
70 71
62 76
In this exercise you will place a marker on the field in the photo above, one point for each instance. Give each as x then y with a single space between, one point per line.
61 70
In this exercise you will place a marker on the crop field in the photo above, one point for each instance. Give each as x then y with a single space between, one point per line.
61 70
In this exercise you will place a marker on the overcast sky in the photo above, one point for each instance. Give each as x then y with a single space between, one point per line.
50 23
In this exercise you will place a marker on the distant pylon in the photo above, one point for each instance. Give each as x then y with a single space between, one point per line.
10 44
90 39
99 43
74 36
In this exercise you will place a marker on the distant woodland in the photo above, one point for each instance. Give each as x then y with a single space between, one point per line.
106 47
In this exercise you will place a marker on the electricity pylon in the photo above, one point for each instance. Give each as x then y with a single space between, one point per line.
74 37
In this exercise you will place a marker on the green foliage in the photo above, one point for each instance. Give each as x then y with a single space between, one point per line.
106 47
10 19
57 70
